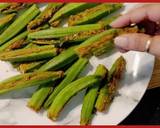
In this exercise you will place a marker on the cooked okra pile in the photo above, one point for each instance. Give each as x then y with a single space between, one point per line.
52 57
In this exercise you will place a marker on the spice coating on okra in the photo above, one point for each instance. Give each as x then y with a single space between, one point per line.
29 79
117 68
13 7
108 91
81 36
7 45
88 51
93 14
101 43
62 31
27 67
29 54
17 44
44 16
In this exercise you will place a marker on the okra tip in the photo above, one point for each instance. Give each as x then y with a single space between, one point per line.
32 107
51 116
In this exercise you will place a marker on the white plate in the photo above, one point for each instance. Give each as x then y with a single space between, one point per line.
13 108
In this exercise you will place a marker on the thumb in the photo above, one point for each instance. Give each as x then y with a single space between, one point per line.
138 42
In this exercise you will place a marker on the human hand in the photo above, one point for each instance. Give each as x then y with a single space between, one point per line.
148 16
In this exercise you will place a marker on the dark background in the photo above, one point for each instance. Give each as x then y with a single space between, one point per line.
148 110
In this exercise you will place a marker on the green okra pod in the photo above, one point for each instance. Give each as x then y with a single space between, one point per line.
94 14
69 9
73 73
81 36
101 43
19 24
6 21
38 98
44 16
29 54
60 61
63 31
7 46
69 91
90 97
108 91
97 44
31 66
28 80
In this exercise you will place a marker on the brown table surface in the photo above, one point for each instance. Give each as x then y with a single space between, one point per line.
155 80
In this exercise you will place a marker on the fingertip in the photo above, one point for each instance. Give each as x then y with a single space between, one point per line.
114 24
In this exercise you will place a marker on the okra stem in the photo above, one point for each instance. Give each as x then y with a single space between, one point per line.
90 97
108 91
94 14
60 61
63 31
28 79
19 24
38 98
70 90
29 54
69 9
73 73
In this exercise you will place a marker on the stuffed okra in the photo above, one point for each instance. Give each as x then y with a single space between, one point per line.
44 16
108 91
19 24
94 14
69 91
8 45
28 80
69 9
29 54
90 97
62 31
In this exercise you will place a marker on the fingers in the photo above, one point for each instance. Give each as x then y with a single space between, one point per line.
137 42
150 12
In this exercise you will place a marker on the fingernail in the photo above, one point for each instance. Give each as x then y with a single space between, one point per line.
121 42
